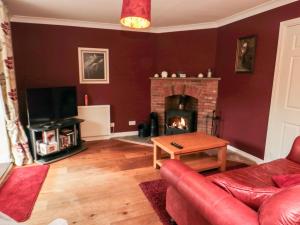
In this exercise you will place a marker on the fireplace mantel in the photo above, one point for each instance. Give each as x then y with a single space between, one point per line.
203 89
185 79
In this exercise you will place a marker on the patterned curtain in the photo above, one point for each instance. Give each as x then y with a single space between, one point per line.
16 134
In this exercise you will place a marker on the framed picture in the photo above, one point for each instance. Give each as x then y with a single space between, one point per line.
245 54
93 65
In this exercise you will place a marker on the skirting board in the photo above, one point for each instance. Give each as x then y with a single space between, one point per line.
132 133
245 154
112 135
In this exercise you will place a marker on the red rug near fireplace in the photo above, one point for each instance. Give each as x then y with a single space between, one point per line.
155 192
19 193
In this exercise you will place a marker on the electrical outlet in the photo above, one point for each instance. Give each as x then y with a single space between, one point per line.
112 124
132 123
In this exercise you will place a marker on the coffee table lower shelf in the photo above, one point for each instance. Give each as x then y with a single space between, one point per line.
198 164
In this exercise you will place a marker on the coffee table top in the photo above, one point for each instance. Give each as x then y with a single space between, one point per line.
191 142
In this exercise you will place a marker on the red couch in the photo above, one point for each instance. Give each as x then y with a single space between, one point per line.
193 199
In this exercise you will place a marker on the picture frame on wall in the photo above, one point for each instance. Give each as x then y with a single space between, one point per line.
245 54
93 65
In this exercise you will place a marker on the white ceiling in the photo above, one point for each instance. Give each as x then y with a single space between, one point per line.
165 13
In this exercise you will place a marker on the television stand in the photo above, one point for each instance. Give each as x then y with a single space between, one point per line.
56 140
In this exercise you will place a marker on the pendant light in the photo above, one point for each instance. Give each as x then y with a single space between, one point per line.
136 13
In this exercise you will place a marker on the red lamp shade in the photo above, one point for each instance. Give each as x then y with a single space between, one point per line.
136 13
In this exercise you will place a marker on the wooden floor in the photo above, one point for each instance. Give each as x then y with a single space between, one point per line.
98 186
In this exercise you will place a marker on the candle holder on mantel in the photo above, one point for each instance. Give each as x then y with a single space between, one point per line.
164 74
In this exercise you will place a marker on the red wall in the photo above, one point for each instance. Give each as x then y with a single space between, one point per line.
190 52
46 56
244 99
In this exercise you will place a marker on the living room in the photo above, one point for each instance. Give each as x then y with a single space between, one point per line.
223 61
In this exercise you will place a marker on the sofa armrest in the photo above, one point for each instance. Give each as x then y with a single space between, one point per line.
294 154
215 205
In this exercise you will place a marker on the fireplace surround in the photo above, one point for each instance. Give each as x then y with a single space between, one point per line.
203 91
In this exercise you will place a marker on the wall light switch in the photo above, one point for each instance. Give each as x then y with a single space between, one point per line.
132 123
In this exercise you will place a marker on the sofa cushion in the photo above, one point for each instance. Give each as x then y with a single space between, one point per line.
261 175
282 208
251 196
286 180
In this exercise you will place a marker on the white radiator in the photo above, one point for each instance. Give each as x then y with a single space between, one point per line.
97 121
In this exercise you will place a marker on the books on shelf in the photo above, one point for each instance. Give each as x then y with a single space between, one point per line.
49 136
46 148
49 143
67 138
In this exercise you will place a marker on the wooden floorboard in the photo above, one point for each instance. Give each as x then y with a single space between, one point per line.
98 187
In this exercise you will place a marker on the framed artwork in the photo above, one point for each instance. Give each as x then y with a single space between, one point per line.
93 65
245 54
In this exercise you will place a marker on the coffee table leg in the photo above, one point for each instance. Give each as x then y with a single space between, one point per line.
173 156
222 157
156 156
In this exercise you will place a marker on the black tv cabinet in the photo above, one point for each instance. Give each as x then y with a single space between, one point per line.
61 152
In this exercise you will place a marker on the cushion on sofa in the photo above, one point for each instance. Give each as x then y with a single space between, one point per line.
260 175
287 180
282 208
251 196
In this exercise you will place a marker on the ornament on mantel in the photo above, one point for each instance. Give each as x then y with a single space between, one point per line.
209 73
174 75
200 75
164 74
156 75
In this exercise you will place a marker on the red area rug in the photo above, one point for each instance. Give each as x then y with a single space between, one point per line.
155 191
19 193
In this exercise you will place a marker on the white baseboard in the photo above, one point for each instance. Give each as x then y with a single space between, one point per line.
112 135
245 154
96 138
123 134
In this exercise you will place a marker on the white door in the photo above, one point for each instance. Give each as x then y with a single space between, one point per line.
284 119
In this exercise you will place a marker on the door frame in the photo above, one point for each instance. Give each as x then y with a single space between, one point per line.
269 152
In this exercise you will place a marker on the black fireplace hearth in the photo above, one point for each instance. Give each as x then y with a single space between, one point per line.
180 114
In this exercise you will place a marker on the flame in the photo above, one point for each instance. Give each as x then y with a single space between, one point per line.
179 123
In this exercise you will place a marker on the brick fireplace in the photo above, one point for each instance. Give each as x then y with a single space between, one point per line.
205 90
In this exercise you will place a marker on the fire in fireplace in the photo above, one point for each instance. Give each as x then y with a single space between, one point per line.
178 122
180 114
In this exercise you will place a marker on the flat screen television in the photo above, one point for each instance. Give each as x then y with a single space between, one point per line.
51 104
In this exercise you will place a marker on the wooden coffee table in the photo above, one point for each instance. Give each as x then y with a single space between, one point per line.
192 143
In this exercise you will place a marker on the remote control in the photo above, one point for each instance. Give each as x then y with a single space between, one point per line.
177 145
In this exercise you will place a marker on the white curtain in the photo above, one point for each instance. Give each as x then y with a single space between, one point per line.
5 155
16 135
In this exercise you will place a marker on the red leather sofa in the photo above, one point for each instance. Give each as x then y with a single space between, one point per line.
193 199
